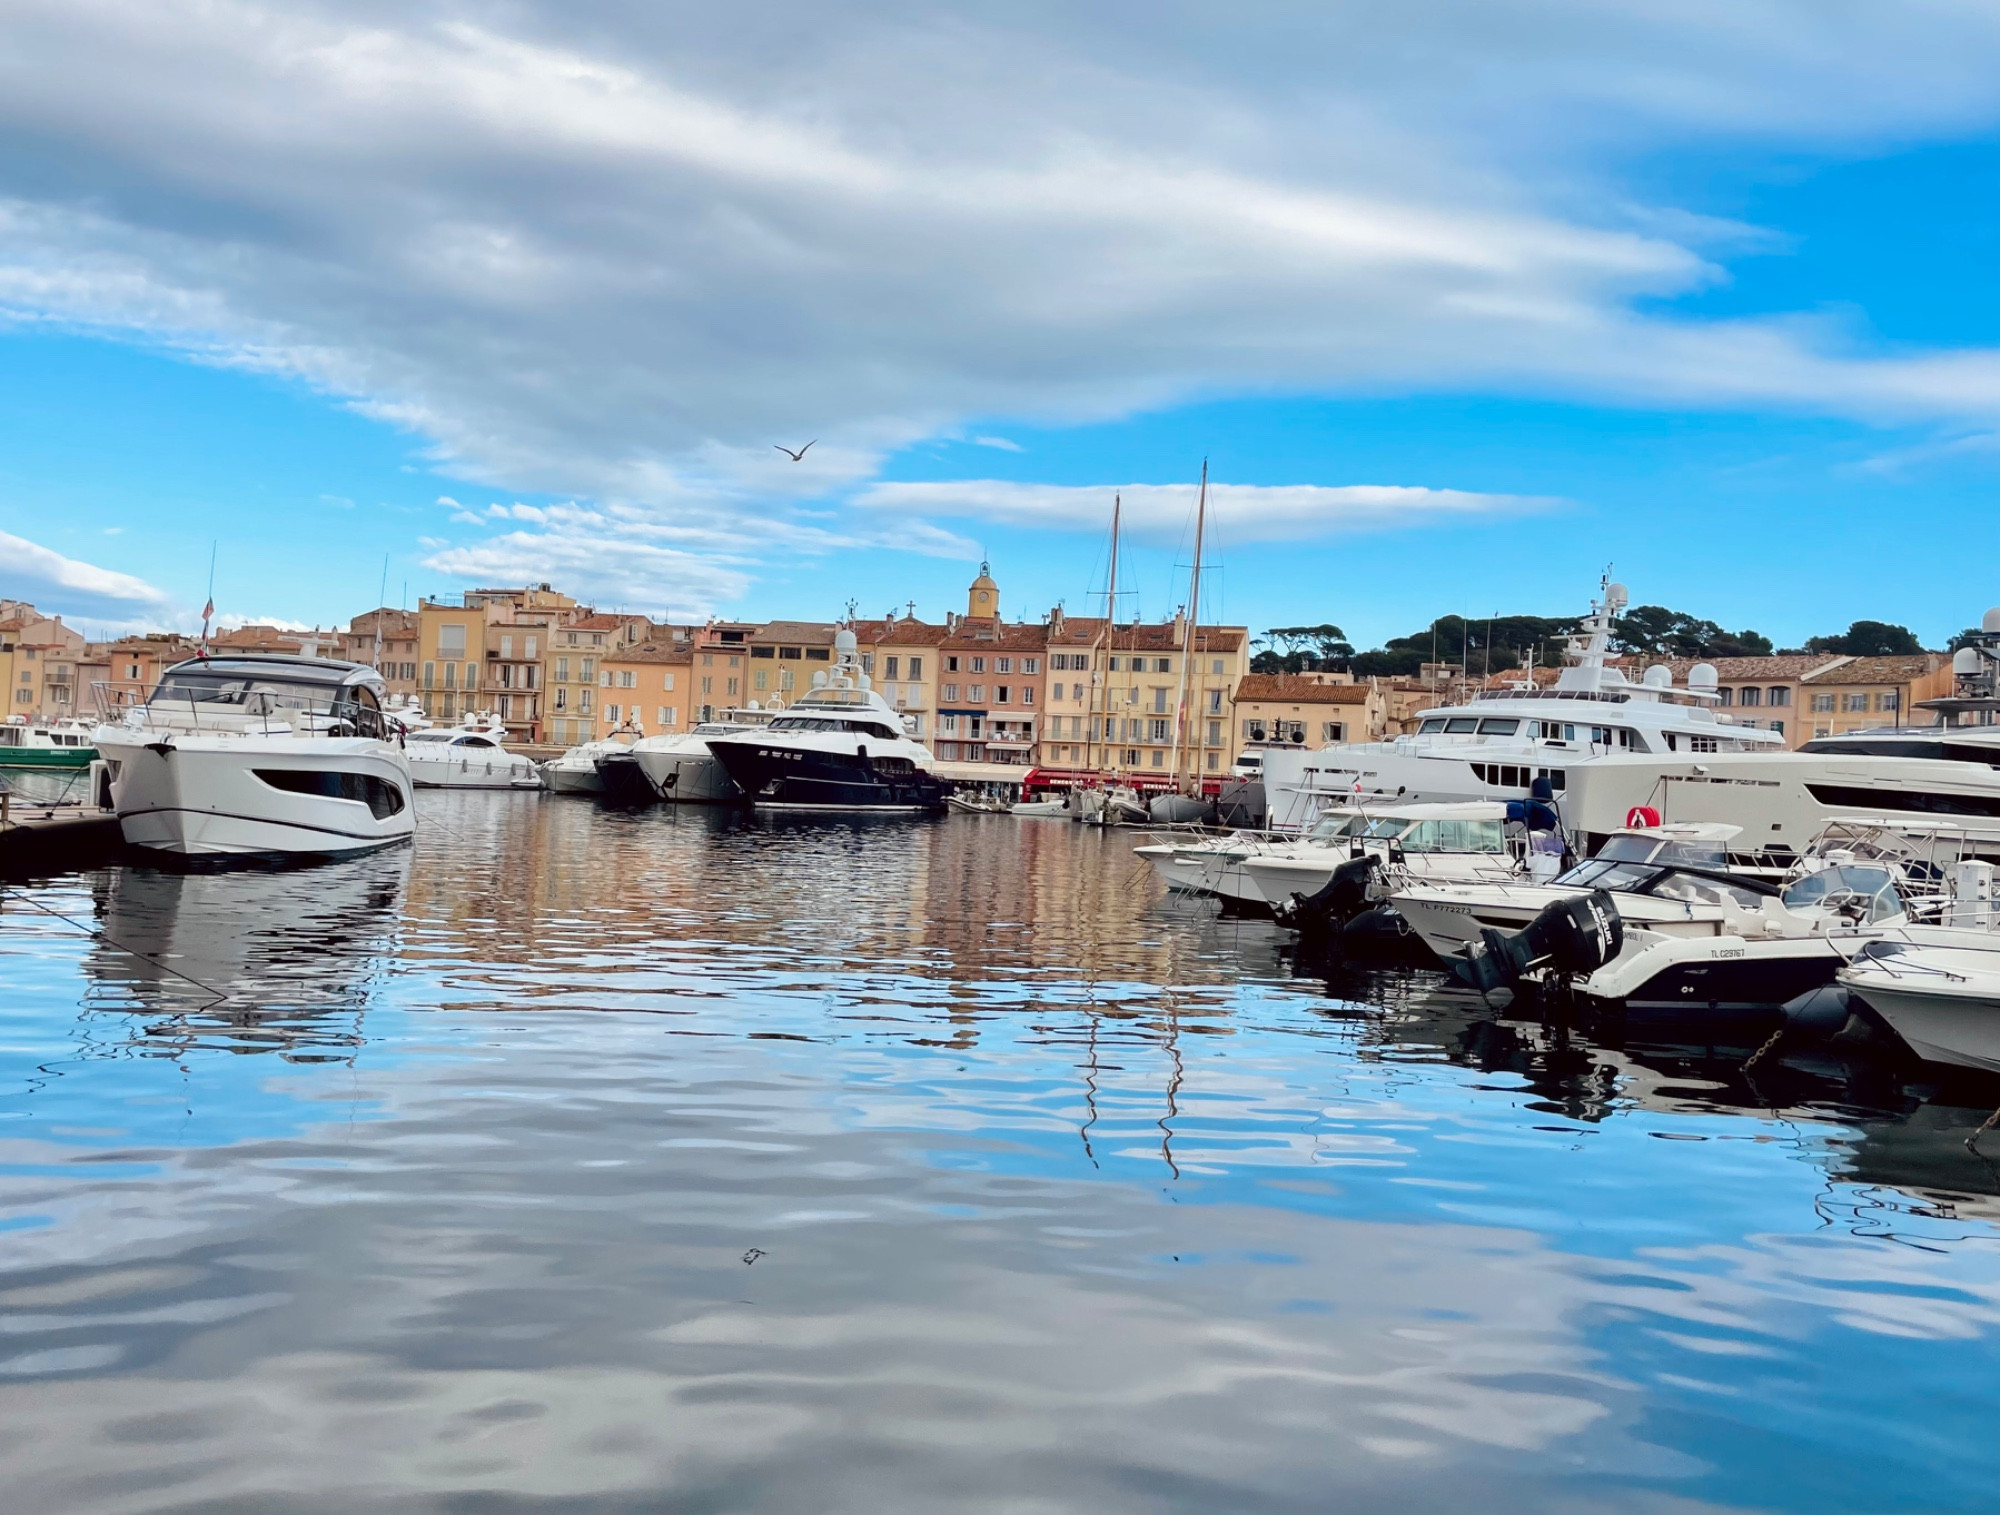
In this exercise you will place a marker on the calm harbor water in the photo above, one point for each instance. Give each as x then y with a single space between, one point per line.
579 1161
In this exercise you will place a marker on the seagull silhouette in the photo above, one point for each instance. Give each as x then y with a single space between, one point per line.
794 456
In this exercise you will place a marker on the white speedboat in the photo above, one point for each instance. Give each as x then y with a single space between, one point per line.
1047 810
575 771
840 746
468 756
259 755
1497 744
1461 843
679 769
1937 983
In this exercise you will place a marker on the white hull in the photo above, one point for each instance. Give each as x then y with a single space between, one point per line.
501 771
572 780
199 795
687 777
1941 994
1450 918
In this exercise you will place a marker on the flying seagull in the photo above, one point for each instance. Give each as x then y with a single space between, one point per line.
794 456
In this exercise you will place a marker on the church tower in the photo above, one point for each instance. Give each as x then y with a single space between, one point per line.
983 600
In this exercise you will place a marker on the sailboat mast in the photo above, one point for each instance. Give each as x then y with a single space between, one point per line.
1099 679
1193 620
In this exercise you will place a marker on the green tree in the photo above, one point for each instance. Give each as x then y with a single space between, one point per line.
1655 631
1868 639
1301 649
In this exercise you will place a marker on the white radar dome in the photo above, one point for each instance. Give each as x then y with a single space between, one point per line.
819 678
1702 676
1990 621
1617 596
1967 661
1659 676
843 641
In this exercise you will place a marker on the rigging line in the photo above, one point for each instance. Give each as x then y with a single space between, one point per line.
111 941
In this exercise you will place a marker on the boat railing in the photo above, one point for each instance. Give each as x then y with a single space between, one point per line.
276 710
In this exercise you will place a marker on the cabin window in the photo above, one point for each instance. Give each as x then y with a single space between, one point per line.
382 798
1492 727
1430 728
1456 836
1461 725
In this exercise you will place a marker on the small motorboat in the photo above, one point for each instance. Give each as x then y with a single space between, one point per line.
1053 809
575 772
468 756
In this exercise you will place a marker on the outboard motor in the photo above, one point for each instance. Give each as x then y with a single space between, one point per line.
1336 902
1569 937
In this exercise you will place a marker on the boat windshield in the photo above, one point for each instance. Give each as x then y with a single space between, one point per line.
1874 888
1457 836
1383 828
827 723
1629 847
1333 827
236 690
1608 873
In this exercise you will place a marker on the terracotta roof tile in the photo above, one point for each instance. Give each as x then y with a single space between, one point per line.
1298 689
1890 670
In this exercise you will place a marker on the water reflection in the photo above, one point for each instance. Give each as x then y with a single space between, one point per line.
656 1159
243 961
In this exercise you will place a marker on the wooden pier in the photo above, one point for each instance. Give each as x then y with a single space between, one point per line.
37 839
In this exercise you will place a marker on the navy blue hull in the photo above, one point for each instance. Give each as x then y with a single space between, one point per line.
624 781
786 776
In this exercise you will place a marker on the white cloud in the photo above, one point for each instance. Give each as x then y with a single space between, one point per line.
57 585
1238 513
1000 442
618 252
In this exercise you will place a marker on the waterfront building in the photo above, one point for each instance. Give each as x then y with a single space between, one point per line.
126 670
902 655
1133 677
648 683
39 665
1856 693
1307 709
771 664
387 640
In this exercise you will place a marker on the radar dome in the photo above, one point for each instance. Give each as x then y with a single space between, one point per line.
1617 596
1990 621
1966 661
1702 676
843 641
1659 676
819 678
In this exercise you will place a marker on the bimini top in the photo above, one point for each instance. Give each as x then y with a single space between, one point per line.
214 678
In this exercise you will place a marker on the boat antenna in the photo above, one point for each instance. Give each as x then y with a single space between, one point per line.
381 605
1099 680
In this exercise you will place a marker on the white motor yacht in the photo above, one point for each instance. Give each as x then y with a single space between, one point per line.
840 746
45 744
575 771
1946 771
258 755
1496 745
679 769
468 756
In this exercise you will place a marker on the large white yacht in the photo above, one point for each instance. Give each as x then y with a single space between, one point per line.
469 756
1497 744
840 746
575 770
251 755
1945 771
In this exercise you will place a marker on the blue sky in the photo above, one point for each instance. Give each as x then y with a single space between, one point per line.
1457 319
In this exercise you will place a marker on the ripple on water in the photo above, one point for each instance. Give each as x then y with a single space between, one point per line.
582 1160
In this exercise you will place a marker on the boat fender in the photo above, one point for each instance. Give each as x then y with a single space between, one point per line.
1642 815
1568 937
1818 1013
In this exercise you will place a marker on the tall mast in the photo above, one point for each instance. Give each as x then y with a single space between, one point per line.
1194 619
1097 680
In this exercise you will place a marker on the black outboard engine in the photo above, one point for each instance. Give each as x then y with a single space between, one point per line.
1569 937
1336 902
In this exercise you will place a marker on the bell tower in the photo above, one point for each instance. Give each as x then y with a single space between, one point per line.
982 602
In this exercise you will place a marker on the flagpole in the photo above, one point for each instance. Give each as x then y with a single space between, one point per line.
208 609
